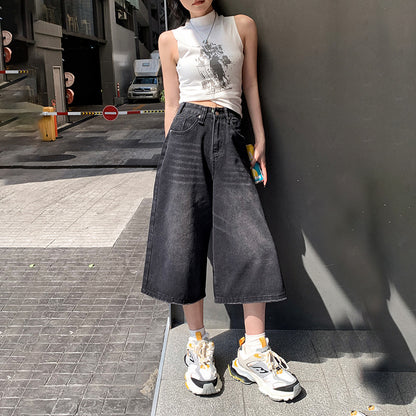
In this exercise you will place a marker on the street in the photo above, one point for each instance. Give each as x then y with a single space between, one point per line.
76 334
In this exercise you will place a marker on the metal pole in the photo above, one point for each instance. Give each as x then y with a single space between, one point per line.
166 14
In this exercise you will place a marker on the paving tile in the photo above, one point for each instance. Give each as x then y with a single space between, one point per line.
405 382
114 406
69 338
66 407
90 407
36 406
377 387
139 406
314 400
178 401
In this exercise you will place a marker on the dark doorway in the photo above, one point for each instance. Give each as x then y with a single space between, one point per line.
81 57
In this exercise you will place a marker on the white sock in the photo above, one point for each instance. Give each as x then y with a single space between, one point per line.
253 342
201 331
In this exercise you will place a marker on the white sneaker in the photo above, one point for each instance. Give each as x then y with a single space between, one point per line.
201 377
267 369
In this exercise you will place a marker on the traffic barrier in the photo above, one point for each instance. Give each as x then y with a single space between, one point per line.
97 113
14 71
47 125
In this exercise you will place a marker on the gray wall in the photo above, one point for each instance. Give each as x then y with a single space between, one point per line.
116 56
46 54
124 54
337 83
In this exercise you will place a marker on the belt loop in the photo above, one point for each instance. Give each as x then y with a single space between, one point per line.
202 115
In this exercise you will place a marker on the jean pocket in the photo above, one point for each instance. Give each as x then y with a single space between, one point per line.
235 123
183 123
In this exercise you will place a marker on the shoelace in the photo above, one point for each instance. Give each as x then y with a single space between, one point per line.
205 351
274 361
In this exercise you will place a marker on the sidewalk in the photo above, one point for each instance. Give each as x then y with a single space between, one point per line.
329 364
77 337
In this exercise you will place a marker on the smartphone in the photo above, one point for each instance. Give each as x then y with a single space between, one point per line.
256 170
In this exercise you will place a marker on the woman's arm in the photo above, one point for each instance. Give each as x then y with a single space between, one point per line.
168 51
248 33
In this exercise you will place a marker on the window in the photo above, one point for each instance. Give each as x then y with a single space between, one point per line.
50 11
147 80
124 14
79 16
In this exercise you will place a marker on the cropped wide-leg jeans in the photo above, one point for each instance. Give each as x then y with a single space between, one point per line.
204 189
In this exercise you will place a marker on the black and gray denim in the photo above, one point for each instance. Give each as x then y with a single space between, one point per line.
204 188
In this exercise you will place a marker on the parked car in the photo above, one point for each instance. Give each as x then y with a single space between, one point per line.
148 82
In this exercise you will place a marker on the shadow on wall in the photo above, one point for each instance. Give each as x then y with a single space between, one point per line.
340 200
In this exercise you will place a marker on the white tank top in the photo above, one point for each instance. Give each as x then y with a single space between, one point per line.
210 70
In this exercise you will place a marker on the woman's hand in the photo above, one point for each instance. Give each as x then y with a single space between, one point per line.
260 156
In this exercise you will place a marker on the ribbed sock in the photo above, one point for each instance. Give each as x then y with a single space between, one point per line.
202 332
253 342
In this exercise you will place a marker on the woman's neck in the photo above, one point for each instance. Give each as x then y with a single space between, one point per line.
209 10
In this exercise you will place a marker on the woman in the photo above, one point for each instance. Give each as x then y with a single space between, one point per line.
203 184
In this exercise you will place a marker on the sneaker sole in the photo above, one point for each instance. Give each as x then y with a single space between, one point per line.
239 377
243 376
207 390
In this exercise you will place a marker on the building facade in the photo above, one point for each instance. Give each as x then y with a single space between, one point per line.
96 40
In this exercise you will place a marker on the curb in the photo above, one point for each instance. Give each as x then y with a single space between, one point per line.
162 360
10 120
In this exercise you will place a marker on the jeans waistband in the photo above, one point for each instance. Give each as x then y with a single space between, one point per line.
203 110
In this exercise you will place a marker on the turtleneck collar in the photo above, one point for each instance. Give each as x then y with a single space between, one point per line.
204 20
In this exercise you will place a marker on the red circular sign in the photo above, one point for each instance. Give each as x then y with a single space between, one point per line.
7 52
110 112
69 96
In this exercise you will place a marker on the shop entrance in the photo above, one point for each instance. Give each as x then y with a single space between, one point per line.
81 57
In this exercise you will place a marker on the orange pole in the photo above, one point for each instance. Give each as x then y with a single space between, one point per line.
56 125
54 118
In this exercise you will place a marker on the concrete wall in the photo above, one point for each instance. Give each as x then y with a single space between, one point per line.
117 56
338 94
44 55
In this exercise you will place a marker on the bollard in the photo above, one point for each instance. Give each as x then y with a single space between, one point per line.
47 126
53 102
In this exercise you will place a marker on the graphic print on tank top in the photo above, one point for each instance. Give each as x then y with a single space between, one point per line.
212 65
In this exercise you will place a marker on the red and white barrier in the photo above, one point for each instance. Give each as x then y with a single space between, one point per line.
99 113
14 71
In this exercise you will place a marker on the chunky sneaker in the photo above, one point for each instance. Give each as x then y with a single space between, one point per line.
201 376
267 369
